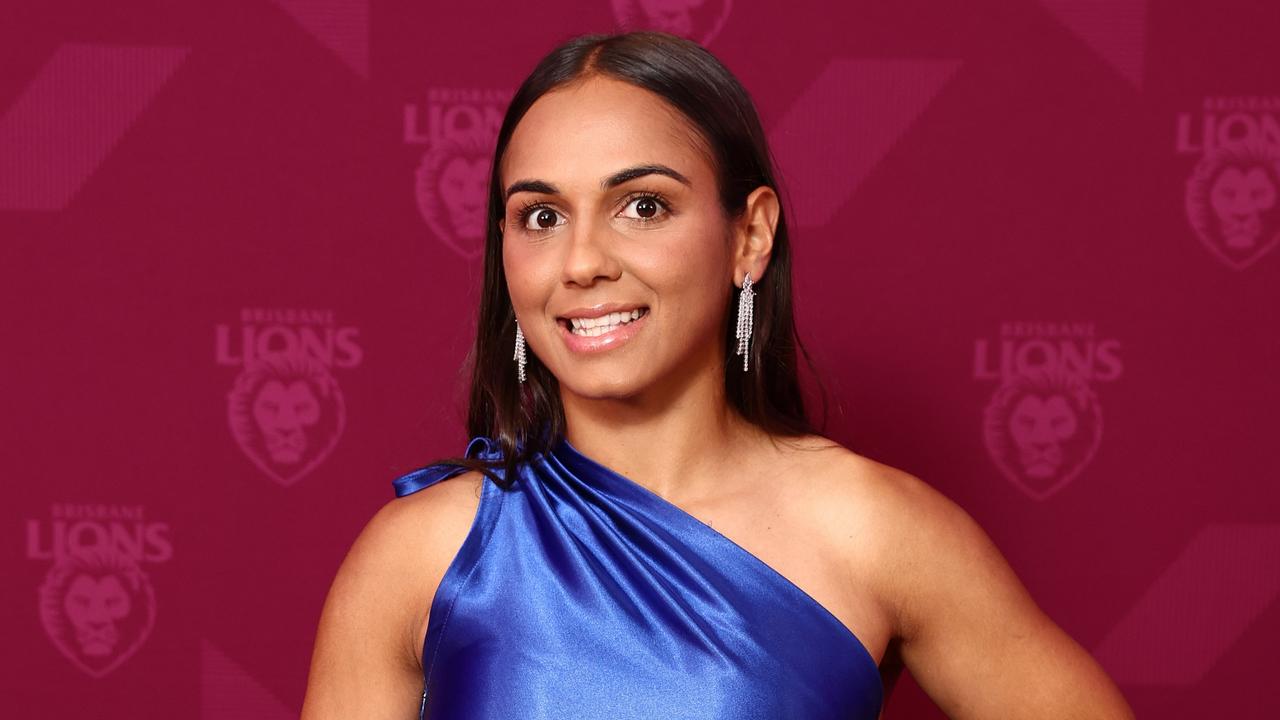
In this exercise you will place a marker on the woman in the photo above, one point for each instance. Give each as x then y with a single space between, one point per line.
644 524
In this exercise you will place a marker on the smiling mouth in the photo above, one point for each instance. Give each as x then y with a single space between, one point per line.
567 324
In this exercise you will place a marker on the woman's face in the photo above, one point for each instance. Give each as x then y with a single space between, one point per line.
574 239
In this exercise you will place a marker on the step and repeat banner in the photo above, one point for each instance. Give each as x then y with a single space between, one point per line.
241 246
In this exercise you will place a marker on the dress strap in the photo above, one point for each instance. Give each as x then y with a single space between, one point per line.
481 447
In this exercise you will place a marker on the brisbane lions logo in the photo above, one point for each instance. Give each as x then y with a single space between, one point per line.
1231 202
699 20
287 414
98 608
451 185
1041 429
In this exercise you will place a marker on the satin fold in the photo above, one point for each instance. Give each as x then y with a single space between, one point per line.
579 594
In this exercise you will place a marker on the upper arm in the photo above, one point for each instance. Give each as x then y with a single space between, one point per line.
972 636
366 661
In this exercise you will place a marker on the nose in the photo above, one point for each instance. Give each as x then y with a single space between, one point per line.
590 254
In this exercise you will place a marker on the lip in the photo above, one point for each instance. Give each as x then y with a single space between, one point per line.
607 341
599 310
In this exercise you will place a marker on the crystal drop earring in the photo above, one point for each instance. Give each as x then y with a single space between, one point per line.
745 306
520 351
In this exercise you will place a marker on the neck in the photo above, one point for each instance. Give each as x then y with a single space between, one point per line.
683 447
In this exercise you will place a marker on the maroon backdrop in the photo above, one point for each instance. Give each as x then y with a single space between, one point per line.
1036 263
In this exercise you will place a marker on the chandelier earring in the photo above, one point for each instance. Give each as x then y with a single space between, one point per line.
520 351
745 308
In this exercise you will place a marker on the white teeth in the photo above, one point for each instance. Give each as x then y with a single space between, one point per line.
591 327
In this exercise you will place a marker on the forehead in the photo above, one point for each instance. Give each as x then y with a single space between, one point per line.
581 132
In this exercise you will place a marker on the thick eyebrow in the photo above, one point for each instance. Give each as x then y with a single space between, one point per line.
612 181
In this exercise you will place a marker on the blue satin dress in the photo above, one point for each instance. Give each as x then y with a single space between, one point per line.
579 594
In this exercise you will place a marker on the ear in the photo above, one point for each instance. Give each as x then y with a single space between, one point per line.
753 234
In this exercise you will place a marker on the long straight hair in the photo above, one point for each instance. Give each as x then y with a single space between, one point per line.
528 418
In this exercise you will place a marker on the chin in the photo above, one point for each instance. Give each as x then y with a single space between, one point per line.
592 386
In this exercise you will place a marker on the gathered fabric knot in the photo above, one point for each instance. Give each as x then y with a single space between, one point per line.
484 448
480 447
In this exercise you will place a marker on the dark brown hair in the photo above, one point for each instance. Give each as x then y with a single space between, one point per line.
528 418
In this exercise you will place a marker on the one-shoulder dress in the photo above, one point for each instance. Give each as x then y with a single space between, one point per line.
579 594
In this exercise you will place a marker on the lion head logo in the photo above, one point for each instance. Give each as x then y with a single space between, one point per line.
1041 429
699 20
287 413
451 184
98 608
1231 202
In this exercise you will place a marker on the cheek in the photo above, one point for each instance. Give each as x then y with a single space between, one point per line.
689 276
695 247
524 270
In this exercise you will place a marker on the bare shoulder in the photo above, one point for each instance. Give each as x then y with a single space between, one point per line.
412 539
889 523
433 511
971 634
411 536
369 639
880 497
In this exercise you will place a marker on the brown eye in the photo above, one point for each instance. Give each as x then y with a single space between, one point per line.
648 208
544 218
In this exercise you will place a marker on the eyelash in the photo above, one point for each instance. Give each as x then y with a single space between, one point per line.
522 215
